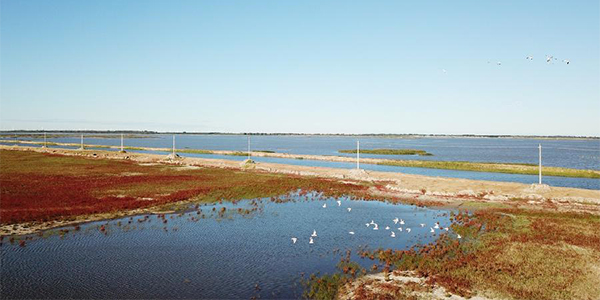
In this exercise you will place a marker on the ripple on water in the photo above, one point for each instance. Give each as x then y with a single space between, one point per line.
213 257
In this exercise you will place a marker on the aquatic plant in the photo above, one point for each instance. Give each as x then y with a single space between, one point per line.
389 152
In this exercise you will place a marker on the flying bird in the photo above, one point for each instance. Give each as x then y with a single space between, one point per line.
314 233
325 205
294 240
349 209
566 61
339 202
311 241
529 57
351 232
393 234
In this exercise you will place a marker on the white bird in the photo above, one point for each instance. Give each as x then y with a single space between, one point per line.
349 209
325 205
499 63
367 224
294 240
529 57
401 222
314 233
375 228
393 234
422 225
549 58
432 231
437 226
446 228
372 222
311 241
458 236
351 232
395 220
399 228
566 61
339 202
407 229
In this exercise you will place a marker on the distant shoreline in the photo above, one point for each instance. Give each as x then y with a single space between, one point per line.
380 135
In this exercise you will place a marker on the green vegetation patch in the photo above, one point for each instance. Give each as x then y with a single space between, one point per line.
390 152
512 168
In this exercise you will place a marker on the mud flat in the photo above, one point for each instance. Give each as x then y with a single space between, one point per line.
453 192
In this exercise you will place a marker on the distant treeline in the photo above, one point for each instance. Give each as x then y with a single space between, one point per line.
385 135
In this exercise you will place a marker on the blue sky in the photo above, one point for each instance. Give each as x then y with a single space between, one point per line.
301 66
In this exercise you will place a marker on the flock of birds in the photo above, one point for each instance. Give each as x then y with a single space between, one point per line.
375 226
549 59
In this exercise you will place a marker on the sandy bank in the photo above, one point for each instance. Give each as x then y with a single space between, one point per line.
419 187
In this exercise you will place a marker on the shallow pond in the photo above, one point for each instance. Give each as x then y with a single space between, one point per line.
218 256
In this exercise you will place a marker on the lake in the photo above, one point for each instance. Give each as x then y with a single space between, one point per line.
219 256
569 153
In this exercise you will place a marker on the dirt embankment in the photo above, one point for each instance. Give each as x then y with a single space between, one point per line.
451 192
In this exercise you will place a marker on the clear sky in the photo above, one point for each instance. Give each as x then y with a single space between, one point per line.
301 66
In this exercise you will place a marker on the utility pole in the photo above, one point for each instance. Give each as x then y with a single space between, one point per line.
357 154
248 146
173 146
45 145
81 142
540 168
122 150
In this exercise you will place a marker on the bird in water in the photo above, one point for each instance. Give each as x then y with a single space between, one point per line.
311 241
387 227
349 209
351 232
314 233
458 236
294 240
393 234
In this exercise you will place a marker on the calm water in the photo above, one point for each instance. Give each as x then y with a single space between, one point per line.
579 154
215 257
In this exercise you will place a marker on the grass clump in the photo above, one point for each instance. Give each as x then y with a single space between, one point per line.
390 152
509 168
195 151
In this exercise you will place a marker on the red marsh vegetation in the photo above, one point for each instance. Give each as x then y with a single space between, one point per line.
41 186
